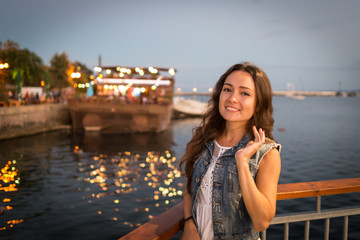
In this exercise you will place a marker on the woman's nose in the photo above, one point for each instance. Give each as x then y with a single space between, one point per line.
234 98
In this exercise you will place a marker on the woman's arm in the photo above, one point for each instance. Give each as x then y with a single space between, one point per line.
190 231
259 197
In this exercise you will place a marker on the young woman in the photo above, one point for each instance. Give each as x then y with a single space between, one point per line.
232 162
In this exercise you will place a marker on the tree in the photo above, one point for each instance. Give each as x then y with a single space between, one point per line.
59 67
28 62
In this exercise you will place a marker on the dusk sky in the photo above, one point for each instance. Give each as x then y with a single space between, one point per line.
313 44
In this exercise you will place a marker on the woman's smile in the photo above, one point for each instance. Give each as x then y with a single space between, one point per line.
232 109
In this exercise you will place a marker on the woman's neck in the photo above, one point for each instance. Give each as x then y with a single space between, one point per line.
232 134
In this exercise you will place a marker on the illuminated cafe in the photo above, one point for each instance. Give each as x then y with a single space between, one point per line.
133 85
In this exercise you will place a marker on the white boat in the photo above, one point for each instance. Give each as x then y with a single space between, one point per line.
188 107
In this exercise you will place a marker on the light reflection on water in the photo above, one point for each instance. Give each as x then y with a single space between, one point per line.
129 172
9 181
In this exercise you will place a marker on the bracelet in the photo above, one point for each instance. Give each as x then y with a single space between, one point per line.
187 219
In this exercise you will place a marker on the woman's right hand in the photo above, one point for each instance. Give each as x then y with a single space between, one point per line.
190 232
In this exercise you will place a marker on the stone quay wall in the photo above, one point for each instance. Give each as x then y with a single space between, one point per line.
26 120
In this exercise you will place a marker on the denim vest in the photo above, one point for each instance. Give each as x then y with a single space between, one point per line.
230 217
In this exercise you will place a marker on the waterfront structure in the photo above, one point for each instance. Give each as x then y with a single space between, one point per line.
126 100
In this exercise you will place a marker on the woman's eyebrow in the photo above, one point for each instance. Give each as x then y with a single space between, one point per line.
242 87
246 88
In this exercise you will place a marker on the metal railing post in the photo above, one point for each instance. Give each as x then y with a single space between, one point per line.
327 229
345 228
263 235
307 230
318 204
286 231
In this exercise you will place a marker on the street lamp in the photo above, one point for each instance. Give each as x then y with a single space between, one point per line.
75 75
4 65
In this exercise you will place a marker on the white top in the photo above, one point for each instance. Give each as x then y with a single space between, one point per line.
203 202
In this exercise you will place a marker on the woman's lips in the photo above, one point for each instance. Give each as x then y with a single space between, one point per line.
232 109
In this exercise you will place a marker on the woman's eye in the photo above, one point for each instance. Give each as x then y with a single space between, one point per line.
226 90
245 93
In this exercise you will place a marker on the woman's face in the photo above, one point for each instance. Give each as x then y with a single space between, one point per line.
237 100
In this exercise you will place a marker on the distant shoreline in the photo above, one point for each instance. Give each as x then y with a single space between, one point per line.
290 93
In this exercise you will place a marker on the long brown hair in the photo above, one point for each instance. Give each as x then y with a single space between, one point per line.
213 124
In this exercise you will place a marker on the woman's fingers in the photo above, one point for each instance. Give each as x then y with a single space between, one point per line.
256 134
259 135
262 135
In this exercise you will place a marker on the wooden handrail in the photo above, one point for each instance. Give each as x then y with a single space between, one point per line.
168 223
163 226
319 188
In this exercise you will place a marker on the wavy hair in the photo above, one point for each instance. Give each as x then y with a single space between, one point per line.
213 124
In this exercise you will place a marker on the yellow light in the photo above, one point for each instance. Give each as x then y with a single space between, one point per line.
108 71
195 89
142 89
42 83
6 65
153 87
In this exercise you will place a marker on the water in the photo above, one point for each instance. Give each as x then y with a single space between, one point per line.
98 186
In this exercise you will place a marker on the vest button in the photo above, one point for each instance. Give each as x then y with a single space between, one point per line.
206 163
197 180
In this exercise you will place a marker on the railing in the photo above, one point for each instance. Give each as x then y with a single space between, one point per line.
168 223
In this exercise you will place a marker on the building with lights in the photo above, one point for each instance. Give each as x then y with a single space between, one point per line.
125 100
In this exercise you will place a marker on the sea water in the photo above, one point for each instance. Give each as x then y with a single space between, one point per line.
65 185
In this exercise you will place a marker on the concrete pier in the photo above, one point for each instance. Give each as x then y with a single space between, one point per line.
31 119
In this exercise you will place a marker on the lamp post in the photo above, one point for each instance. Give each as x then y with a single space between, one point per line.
4 65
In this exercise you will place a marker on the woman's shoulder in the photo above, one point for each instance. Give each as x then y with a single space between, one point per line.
272 144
